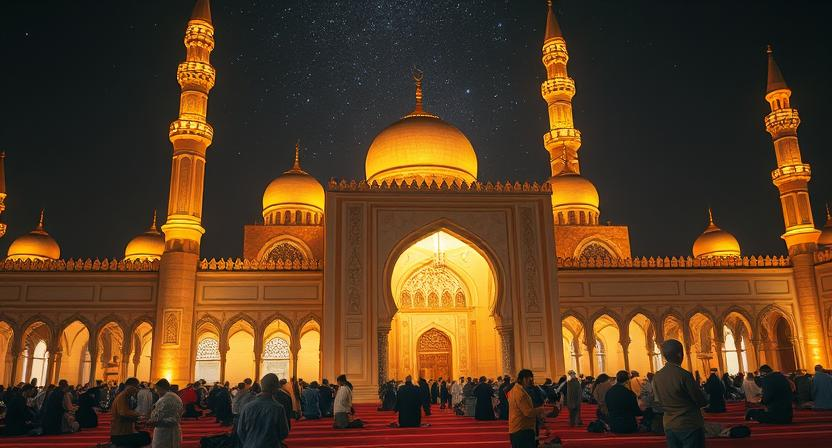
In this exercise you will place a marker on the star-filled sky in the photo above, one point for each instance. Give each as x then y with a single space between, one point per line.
669 102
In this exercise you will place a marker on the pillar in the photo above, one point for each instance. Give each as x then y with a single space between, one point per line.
625 351
54 370
92 346
507 349
720 358
590 351
382 336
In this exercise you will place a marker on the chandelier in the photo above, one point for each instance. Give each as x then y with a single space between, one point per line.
438 255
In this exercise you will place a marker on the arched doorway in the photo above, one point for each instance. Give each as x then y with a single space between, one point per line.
444 289
433 354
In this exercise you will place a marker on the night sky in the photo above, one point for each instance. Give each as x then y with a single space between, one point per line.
669 102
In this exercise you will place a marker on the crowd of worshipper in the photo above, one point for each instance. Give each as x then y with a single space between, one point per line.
261 413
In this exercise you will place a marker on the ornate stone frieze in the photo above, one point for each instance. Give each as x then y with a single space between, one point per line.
79 265
355 269
674 262
529 263
474 187
260 265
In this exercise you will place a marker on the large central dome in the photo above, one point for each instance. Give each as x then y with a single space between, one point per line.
421 147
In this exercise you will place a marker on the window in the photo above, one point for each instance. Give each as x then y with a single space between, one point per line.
595 250
284 251
208 360
432 287
600 357
276 357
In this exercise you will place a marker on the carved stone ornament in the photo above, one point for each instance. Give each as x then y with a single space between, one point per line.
354 267
529 264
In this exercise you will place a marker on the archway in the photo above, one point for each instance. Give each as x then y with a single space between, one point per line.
208 359
702 337
75 358
309 355
239 359
35 354
642 349
277 350
110 353
574 352
6 342
607 353
434 355
444 289
785 345
777 338
140 352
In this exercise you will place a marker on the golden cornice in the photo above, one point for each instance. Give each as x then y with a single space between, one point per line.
790 173
194 72
88 265
782 119
238 264
182 127
462 187
675 262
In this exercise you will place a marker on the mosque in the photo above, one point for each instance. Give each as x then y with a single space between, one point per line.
420 268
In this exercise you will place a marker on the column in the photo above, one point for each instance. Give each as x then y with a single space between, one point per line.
755 349
223 358
590 351
720 358
15 361
625 351
507 348
578 361
137 358
125 360
688 356
258 358
54 370
92 346
382 336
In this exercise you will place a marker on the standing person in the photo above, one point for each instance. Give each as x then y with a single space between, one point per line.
56 417
822 389
144 400
622 406
456 392
85 414
165 416
425 389
715 389
502 391
343 405
679 395
263 422
311 399
777 397
409 404
523 415
123 426
599 392
444 395
484 393
572 399
434 391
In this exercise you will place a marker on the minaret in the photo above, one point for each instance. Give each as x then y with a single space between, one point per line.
792 175
190 135
2 192
792 178
563 140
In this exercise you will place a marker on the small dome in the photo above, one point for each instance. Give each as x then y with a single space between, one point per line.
715 242
570 189
421 147
149 245
293 191
35 245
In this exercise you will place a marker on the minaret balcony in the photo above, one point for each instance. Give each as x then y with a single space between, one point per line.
789 173
199 74
199 34
557 88
570 137
782 119
183 128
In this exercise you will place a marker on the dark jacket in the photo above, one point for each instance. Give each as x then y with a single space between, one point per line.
777 396
622 409
409 406
715 389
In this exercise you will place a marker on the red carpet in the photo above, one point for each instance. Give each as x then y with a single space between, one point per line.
811 429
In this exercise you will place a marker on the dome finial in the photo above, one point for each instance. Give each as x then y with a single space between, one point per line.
297 156
40 221
567 168
153 225
828 215
552 25
710 217
417 78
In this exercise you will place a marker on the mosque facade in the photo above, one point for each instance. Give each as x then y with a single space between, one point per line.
419 268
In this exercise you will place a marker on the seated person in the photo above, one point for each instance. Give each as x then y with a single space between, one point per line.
19 415
56 413
85 415
822 389
189 401
622 406
715 389
777 397
310 397
753 393
123 427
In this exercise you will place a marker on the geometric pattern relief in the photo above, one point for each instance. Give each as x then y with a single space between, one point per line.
432 287
171 328
595 250
208 350
285 251
276 348
434 341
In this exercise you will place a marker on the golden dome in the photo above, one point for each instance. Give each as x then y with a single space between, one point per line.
826 235
294 191
715 242
421 146
149 245
570 189
35 245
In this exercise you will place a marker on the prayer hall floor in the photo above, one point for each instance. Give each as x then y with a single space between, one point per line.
811 429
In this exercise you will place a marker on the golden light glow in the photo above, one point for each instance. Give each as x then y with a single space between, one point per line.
293 191
148 246
35 245
715 242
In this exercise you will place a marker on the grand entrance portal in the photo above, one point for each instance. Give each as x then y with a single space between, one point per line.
443 289
434 355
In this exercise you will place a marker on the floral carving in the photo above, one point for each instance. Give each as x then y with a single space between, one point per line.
171 327
354 267
529 264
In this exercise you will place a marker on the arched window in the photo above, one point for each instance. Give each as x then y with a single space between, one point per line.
40 357
208 360
732 361
658 362
276 357
433 287
600 357
595 250
284 251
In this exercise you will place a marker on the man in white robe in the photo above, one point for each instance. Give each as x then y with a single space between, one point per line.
456 392
165 417
144 401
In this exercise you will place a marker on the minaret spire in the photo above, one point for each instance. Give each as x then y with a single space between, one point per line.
552 25
296 167
417 79
153 225
710 217
40 221
202 11
775 76
558 90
